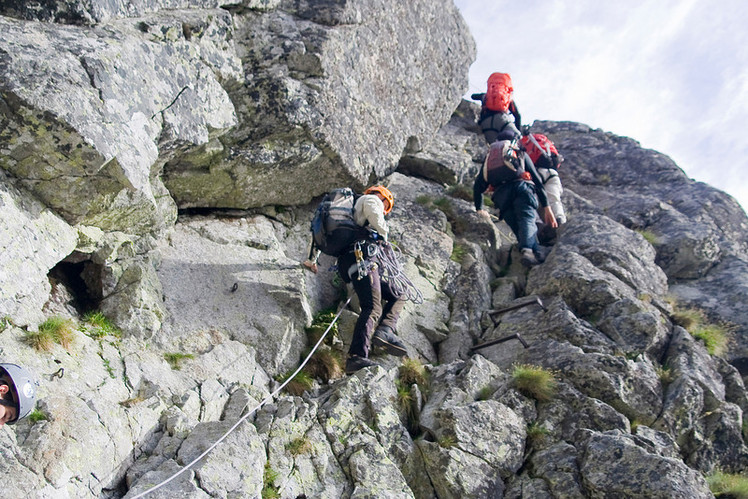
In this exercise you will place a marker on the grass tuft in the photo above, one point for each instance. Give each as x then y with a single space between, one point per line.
5 323
412 372
302 382
36 415
536 433
447 441
534 382
99 326
320 323
728 485
716 336
56 329
688 318
299 446
269 489
485 393
175 359
461 191
325 364
665 374
649 236
459 252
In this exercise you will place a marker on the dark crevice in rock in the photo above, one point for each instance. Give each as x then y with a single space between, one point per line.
77 278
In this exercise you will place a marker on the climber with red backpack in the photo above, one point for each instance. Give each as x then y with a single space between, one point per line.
499 117
517 193
547 160
353 228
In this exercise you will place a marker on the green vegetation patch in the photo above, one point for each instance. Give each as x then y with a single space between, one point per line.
55 330
716 336
97 325
269 489
300 383
320 323
412 371
299 446
459 252
175 359
726 485
649 236
535 382
36 415
461 191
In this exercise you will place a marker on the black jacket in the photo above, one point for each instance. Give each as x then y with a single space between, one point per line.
481 185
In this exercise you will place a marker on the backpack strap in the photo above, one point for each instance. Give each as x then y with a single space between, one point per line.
546 152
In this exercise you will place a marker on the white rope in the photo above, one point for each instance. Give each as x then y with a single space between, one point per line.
243 418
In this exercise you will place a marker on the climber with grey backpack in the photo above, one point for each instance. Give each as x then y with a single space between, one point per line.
353 229
517 193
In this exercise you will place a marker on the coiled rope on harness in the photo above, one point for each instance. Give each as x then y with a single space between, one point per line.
243 418
393 273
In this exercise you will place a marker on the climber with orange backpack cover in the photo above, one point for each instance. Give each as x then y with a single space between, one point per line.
499 117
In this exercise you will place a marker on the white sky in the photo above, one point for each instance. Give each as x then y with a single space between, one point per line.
671 74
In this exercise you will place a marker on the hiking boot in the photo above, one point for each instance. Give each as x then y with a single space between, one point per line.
528 258
383 338
356 362
547 235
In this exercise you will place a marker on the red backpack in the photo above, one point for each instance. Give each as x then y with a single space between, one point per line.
537 144
499 92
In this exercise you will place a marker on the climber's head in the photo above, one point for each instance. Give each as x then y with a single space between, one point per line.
17 393
384 194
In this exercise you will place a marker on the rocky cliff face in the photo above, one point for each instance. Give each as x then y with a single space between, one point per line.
160 163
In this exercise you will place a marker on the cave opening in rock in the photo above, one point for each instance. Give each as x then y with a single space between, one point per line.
76 286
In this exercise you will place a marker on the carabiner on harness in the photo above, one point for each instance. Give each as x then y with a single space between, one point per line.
360 262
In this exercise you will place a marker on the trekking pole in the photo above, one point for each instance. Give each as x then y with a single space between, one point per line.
492 313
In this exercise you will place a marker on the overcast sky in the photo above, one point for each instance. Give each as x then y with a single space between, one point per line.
671 74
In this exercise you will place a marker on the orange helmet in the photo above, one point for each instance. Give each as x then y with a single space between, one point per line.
387 198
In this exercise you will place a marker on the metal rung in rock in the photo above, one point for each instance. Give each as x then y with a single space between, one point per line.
536 300
492 313
501 340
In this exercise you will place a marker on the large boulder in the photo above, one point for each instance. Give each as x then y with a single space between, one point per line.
613 465
84 110
332 96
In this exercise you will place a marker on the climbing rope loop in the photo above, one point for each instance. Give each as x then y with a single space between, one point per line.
393 273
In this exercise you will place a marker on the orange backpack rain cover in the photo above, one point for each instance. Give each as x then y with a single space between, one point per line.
499 92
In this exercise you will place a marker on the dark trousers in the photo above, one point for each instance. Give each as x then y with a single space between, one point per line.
518 205
380 308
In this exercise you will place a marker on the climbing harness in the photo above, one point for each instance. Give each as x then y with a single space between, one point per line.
243 418
492 313
392 272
